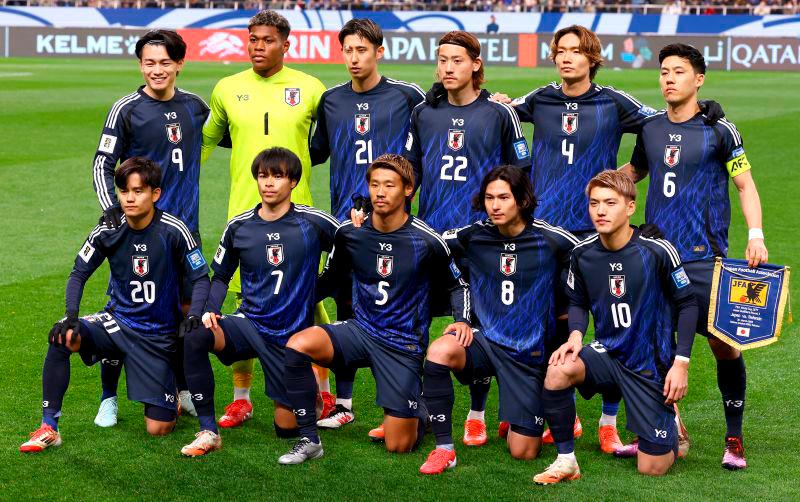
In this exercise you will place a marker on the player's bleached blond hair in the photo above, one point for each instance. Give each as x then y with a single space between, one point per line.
615 180
396 163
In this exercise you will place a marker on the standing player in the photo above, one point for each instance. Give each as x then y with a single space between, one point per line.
514 264
277 292
162 123
147 254
455 139
397 262
358 121
689 163
634 287
267 105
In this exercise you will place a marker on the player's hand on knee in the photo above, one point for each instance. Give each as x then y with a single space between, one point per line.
191 322
68 326
499 97
462 331
756 252
211 320
569 350
677 382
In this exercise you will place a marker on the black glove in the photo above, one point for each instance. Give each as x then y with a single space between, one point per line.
361 203
226 142
650 231
435 94
112 217
58 334
712 110
191 322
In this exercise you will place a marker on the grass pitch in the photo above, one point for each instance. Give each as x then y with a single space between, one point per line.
51 113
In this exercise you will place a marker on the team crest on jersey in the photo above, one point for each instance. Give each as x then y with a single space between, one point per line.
292 96
141 265
362 123
672 155
569 122
455 139
174 134
385 265
616 283
275 254
508 263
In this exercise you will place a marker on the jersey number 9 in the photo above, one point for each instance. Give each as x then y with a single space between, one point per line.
177 158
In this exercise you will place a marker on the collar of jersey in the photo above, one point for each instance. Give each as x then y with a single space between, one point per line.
368 223
258 217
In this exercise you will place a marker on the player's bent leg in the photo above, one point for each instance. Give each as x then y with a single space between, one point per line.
655 459
198 343
400 431
158 420
523 443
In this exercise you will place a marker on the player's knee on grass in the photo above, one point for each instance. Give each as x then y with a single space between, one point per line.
524 443
655 459
400 431
159 421
447 352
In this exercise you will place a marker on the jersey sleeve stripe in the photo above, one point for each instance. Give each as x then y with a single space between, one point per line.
626 96
425 228
175 222
111 122
322 214
586 241
737 138
407 84
239 217
121 101
558 230
666 246
99 182
192 94
514 119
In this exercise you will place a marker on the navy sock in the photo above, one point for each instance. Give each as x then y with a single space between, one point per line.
110 371
55 380
437 390
732 382
559 411
200 377
478 393
610 408
344 382
301 389
177 368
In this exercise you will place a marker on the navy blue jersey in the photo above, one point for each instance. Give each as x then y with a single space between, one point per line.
689 165
355 128
170 133
513 282
453 147
574 138
395 276
279 262
146 271
632 294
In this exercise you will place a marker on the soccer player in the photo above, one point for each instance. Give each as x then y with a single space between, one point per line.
266 105
277 292
457 137
634 287
513 263
398 265
147 254
689 163
358 121
164 124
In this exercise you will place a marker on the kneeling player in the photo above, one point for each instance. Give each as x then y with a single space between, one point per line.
515 303
147 254
277 292
632 285
397 263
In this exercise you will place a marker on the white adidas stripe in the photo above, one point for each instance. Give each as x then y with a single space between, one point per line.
99 182
175 222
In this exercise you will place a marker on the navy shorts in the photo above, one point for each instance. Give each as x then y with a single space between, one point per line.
398 374
700 274
647 415
243 342
186 284
519 384
147 358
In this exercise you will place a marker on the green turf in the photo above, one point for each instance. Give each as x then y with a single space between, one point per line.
50 120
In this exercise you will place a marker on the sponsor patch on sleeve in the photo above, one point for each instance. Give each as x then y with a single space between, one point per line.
521 148
86 252
196 259
680 278
219 255
738 164
647 111
107 143
571 279
454 269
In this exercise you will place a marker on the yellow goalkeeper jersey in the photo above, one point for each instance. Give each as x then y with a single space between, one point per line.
260 113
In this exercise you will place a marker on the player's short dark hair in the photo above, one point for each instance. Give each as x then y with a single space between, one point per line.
271 18
521 188
364 28
277 160
473 47
172 42
148 172
396 163
589 46
615 180
686 52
